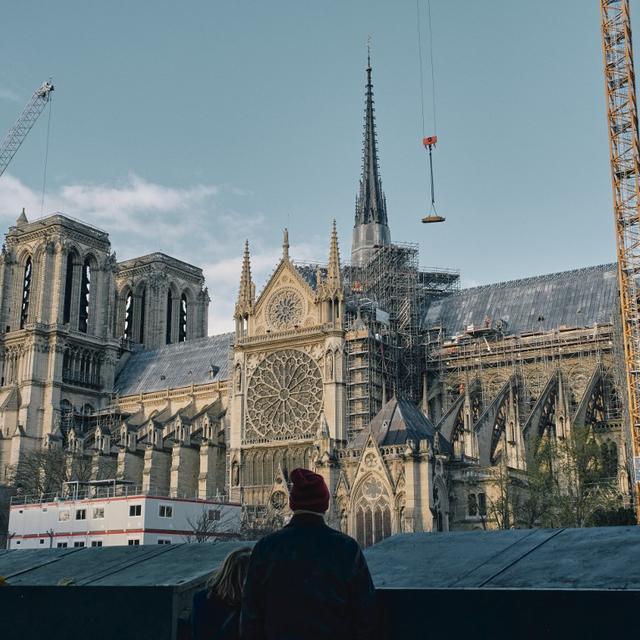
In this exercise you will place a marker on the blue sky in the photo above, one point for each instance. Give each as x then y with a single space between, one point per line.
185 128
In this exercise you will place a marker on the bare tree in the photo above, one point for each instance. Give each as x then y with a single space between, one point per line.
206 526
254 528
44 471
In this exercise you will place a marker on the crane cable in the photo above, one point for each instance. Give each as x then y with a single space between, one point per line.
46 157
428 142
433 73
421 71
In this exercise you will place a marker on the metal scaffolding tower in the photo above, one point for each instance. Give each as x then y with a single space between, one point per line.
385 350
625 176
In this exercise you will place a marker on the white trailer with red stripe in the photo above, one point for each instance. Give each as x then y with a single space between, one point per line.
111 514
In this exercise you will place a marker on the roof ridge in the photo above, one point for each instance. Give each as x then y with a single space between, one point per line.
555 274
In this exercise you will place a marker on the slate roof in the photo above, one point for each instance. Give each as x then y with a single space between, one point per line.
398 421
308 273
580 297
175 365
591 558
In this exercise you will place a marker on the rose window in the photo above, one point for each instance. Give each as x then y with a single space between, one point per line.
284 398
372 489
285 309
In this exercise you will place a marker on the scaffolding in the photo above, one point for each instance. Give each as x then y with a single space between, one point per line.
384 339
483 353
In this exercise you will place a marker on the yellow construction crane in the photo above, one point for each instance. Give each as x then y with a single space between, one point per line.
622 115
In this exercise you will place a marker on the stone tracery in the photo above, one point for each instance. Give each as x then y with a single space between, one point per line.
284 397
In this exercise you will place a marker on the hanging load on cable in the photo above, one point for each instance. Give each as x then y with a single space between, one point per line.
429 143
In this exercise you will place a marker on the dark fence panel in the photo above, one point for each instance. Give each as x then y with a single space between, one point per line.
87 613
149 613
506 613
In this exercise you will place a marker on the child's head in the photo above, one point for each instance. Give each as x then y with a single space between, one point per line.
228 582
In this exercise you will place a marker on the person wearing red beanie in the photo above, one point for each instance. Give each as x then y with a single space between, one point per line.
309 492
307 580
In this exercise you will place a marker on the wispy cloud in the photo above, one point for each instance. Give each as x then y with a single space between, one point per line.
189 223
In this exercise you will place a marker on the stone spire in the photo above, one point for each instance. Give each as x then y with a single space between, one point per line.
285 245
371 226
22 219
331 288
334 278
246 293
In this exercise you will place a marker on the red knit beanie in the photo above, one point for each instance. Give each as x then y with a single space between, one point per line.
309 491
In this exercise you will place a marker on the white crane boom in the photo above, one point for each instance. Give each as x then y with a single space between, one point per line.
18 132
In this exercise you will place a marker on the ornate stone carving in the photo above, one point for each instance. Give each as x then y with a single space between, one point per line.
284 397
278 500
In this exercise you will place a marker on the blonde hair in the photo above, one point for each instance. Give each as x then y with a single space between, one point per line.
228 581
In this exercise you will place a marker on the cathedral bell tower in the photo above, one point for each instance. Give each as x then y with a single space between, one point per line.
57 350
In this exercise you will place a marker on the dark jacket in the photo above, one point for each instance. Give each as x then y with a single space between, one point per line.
213 619
307 582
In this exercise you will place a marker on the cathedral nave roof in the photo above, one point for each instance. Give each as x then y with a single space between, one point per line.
577 298
176 365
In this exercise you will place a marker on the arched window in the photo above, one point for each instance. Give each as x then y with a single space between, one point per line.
143 305
182 334
85 297
68 290
372 512
26 292
128 317
169 316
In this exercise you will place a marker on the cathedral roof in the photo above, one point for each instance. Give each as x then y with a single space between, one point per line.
176 365
308 272
577 298
396 423
159 258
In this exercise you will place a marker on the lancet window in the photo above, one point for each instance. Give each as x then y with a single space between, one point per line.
26 292
143 306
182 333
168 323
85 297
68 289
128 317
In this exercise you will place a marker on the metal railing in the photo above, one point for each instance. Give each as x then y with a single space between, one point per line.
72 494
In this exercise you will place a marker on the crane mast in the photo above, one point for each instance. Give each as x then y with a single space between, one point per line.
625 176
18 132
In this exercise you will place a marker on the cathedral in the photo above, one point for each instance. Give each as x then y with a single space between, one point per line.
402 389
